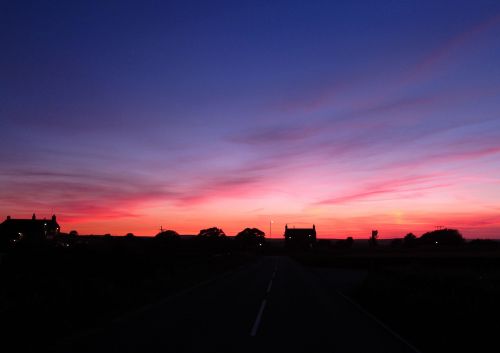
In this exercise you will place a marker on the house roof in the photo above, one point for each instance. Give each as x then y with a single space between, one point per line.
300 231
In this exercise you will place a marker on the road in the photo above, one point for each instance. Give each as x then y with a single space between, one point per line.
272 305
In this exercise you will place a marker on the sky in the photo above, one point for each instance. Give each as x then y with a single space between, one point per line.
128 116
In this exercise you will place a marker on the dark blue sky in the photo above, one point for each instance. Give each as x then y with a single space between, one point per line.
130 114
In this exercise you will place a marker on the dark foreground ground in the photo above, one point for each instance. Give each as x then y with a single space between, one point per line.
47 293
143 297
445 300
271 305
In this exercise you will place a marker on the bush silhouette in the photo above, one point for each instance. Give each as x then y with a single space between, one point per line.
410 240
167 234
169 238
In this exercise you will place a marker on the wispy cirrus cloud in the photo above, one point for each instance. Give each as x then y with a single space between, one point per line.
341 92
80 195
219 188
276 134
90 196
389 189
428 66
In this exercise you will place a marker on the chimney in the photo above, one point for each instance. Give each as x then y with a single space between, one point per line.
33 217
314 227
8 218
54 218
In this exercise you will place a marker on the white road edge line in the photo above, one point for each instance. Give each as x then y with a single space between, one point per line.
269 286
257 319
360 308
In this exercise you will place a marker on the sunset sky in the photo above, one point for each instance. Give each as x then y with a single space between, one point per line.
124 116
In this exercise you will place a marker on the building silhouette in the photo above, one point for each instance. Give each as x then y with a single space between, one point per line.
300 237
29 230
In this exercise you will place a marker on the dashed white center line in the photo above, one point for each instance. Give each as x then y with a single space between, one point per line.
257 319
256 324
269 286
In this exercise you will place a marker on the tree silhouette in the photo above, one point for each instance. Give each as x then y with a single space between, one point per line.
442 237
168 239
250 233
410 240
130 235
167 234
349 242
211 233
373 239
73 233
250 237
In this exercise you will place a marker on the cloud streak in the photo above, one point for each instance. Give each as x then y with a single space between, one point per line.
390 189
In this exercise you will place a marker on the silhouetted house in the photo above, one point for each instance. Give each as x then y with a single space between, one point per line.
300 237
29 230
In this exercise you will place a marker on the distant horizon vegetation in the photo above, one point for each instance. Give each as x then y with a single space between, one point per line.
281 236
277 233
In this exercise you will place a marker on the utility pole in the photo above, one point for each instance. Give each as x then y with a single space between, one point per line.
270 229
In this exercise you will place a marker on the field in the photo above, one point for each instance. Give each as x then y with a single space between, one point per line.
438 299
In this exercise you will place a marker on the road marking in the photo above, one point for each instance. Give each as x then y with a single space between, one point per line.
257 319
360 308
256 324
269 286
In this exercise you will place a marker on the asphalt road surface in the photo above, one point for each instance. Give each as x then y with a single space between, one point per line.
272 305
